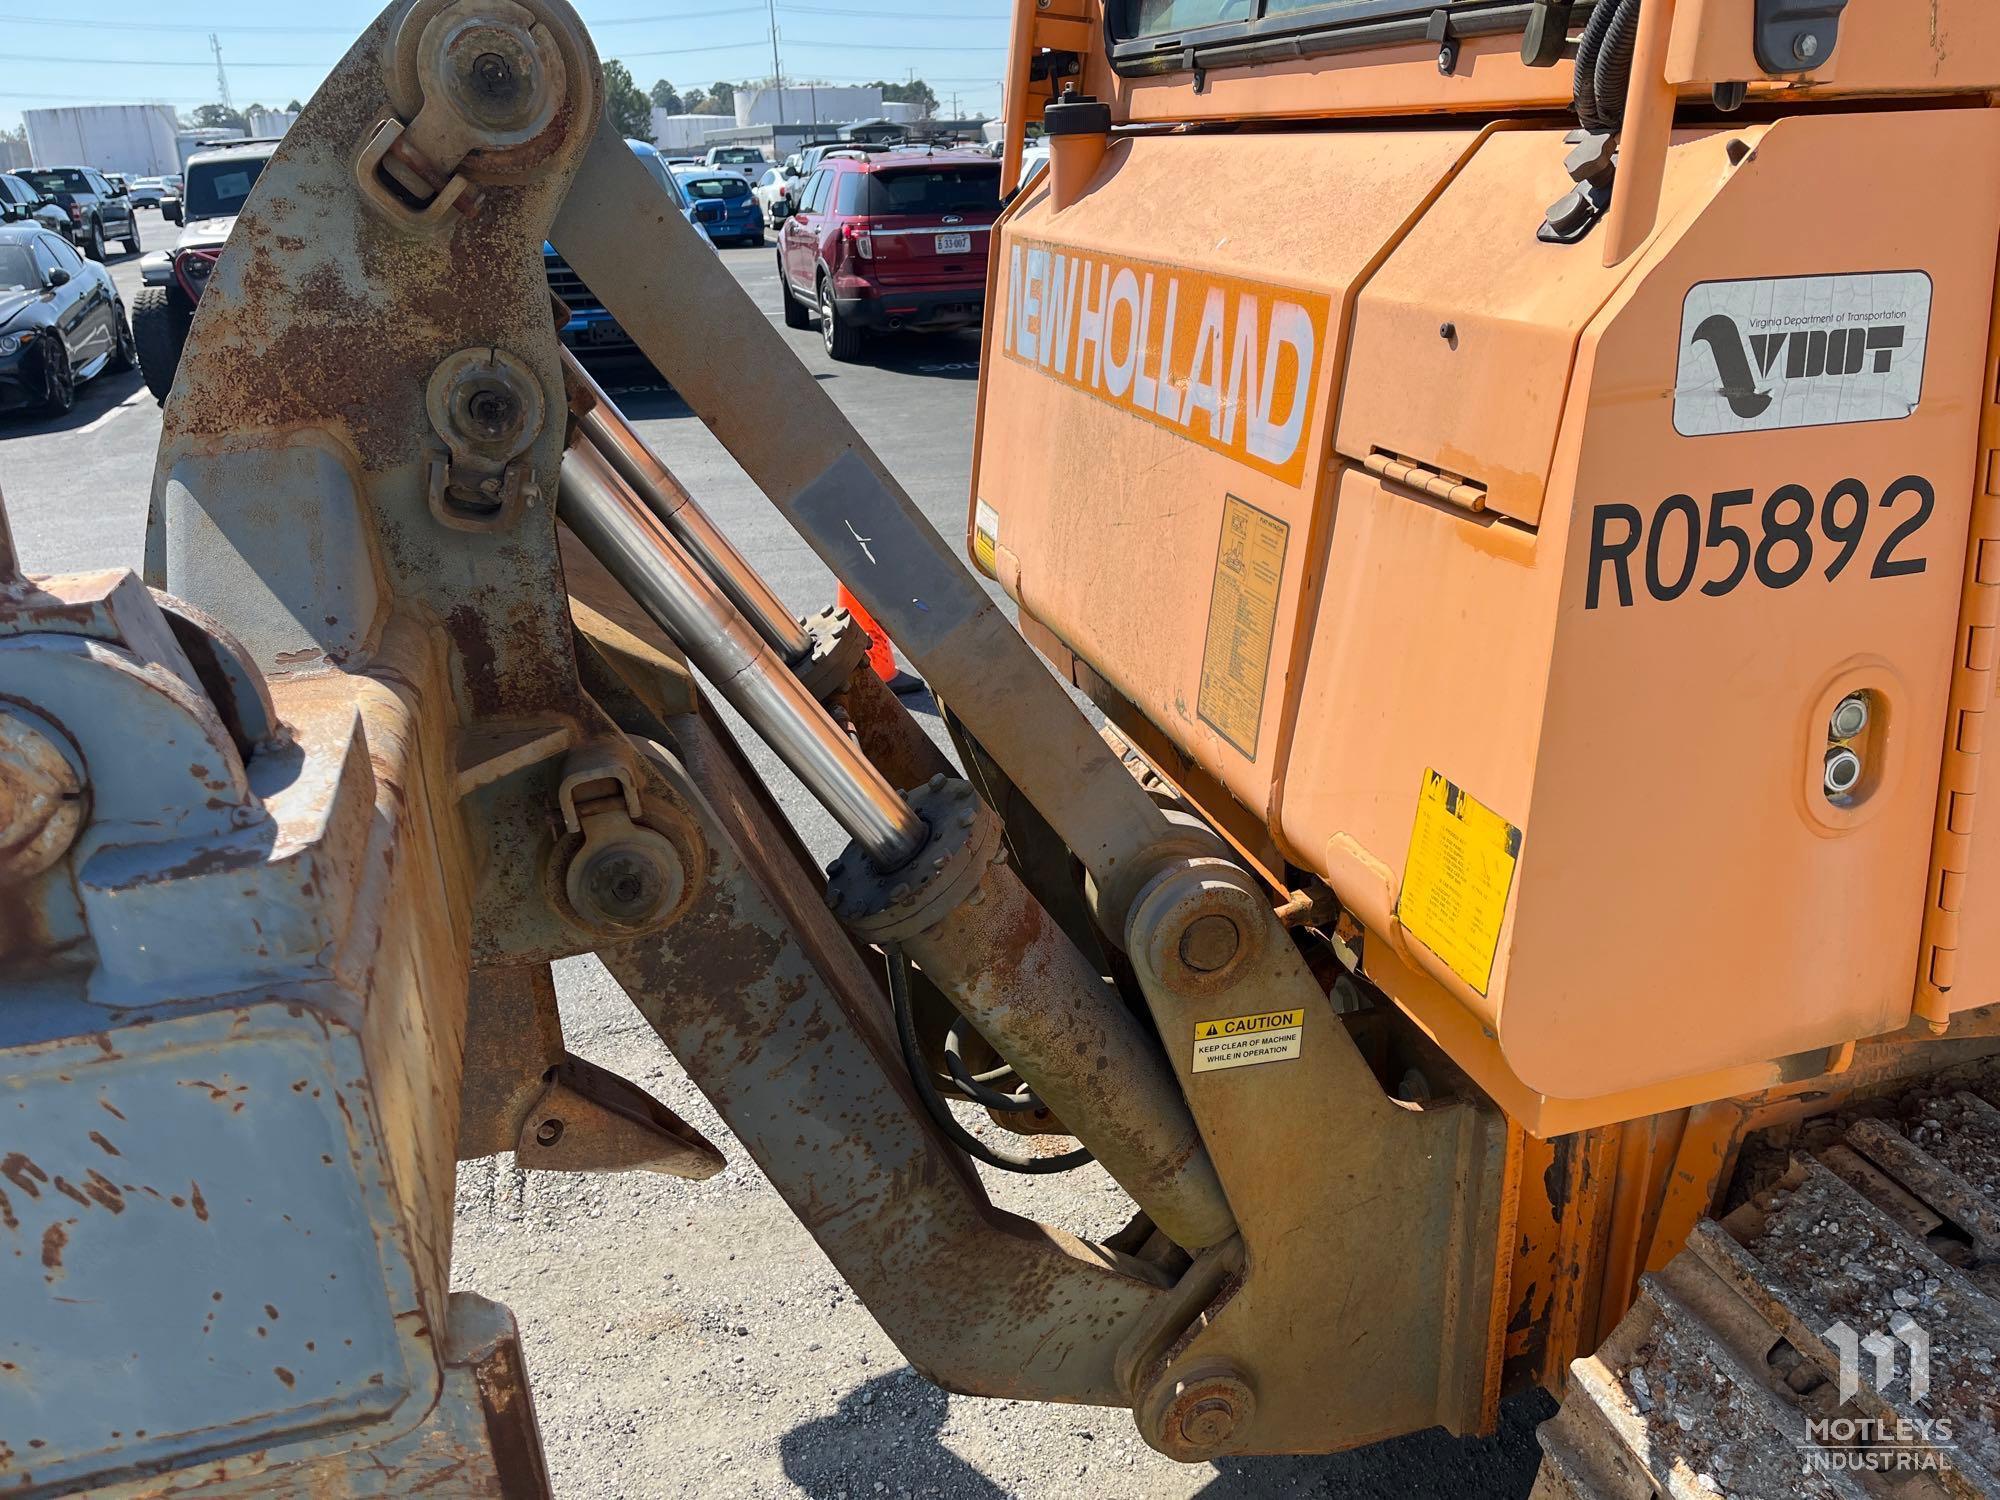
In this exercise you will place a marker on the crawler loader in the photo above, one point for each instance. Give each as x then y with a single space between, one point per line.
1519 481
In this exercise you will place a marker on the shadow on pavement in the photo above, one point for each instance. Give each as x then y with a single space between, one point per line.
888 1431
93 400
938 356
1429 1465
849 1451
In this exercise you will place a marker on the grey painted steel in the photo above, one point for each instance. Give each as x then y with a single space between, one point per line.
675 591
1012 972
686 312
605 425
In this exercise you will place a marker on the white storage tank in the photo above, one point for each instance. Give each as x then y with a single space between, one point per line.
137 140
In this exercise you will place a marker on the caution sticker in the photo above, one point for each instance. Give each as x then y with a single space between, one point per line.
985 538
1241 1041
1461 866
1242 616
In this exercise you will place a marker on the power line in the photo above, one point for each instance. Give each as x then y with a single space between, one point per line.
346 31
878 47
157 62
100 99
757 42
894 15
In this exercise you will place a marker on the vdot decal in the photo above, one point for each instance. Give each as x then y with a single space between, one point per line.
1801 351
1228 363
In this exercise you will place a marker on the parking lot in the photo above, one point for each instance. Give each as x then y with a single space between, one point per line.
688 1338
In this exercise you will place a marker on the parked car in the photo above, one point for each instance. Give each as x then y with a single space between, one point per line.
218 182
746 161
742 219
809 157
61 321
590 325
22 204
881 242
773 192
146 192
96 211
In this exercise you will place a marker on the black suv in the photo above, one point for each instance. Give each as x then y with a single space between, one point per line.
21 204
97 212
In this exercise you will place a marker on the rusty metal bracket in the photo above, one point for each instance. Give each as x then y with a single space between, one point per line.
591 1120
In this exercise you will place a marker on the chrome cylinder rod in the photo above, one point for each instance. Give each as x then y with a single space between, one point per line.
605 426
637 550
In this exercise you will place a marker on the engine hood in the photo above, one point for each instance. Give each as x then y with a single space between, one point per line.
205 234
16 309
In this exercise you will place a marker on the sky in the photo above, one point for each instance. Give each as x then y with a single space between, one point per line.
155 51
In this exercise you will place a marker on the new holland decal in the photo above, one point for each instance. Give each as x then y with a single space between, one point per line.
1228 363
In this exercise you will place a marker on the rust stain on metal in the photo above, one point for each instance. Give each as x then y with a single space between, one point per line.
109 1108
197 1202
105 1146
23 1173
285 1375
104 1192
54 1238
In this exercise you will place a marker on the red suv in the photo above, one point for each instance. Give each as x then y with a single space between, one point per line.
886 242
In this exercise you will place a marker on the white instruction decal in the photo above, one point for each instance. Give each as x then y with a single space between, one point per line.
1238 1041
1801 351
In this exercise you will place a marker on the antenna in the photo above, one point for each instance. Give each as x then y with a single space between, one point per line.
221 76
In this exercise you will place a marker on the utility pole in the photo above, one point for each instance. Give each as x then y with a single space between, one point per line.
777 69
221 77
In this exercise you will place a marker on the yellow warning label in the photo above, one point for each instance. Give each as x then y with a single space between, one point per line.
1239 1041
1242 615
1461 866
985 537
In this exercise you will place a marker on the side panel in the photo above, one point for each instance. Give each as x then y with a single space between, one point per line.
1112 509
1797 367
1686 898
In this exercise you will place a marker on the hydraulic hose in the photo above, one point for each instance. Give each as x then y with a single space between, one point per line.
1604 65
934 1105
1611 70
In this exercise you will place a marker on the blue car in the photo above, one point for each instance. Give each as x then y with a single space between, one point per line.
590 326
742 220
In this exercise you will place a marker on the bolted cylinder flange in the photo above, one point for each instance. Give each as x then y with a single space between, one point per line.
838 647
895 905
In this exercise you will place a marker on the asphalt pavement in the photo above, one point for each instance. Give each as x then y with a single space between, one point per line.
688 1339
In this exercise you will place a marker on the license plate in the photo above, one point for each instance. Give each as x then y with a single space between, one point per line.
954 244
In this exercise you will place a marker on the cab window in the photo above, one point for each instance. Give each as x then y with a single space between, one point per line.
1148 25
